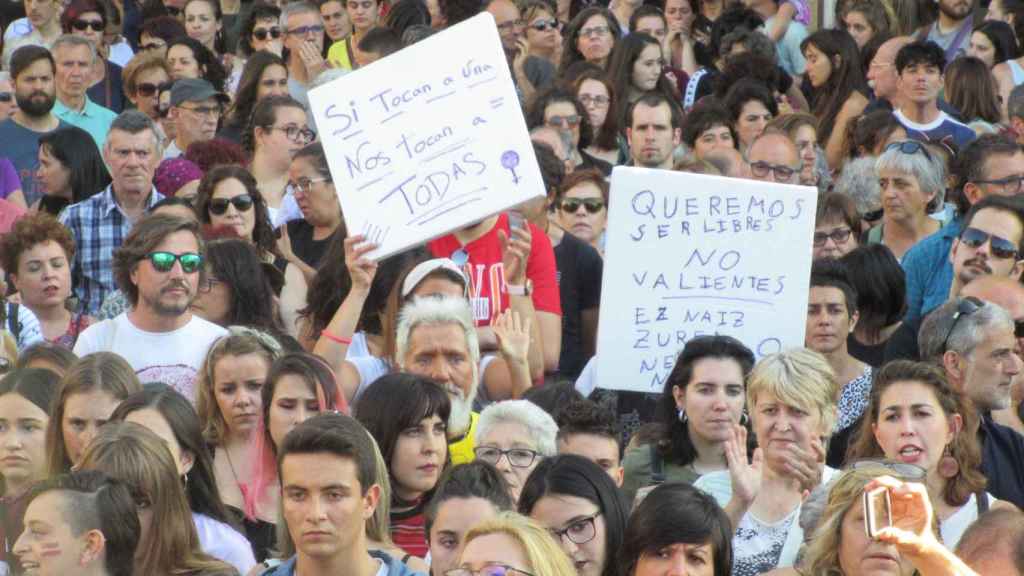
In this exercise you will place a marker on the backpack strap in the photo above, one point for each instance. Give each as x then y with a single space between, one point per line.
981 500
13 322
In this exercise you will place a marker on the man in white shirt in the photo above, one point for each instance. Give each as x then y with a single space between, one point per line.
159 268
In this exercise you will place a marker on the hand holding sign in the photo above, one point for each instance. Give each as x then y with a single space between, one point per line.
442 145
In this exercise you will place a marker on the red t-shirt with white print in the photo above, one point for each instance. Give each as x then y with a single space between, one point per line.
486 271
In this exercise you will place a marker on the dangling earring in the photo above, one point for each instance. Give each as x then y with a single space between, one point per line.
682 415
744 417
184 479
948 466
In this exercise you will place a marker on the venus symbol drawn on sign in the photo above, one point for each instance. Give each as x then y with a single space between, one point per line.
509 160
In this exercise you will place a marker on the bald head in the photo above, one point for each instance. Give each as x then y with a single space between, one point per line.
506 16
1001 290
882 75
774 158
729 162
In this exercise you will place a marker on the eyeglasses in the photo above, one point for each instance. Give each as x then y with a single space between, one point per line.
304 184
489 570
838 236
164 261
543 25
262 33
148 89
6 97
901 469
570 121
579 531
780 172
151 46
209 111
242 203
966 307
1001 247
83 25
1011 184
306 30
596 31
296 134
587 100
910 147
206 285
592 205
517 457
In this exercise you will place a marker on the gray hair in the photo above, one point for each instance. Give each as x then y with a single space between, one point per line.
754 41
1015 104
72 41
969 330
432 311
135 122
929 170
294 8
537 423
859 181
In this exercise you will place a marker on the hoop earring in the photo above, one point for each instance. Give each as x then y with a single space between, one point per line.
682 416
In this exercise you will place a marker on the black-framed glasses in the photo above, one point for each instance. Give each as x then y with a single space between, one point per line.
495 569
148 89
838 236
1011 184
571 205
780 172
910 147
83 25
578 531
544 25
1001 247
208 283
242 203
965 307
517 457
164 261
901 469
262 33
296 134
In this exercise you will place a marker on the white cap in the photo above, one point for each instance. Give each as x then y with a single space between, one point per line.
417 274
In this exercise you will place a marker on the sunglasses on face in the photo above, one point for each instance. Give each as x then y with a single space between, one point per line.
570 121
242 203
544 25
262 33
1001 247
148 89
164 261
83 25
592 205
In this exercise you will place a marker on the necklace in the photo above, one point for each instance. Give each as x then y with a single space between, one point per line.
231 464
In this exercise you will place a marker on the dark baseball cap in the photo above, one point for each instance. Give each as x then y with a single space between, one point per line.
195 90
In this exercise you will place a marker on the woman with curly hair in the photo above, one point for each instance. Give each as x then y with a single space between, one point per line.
229 198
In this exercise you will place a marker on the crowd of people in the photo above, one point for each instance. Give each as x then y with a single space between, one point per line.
205 373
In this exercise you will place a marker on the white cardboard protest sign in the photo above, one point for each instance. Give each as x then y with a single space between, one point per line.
427 140
689 255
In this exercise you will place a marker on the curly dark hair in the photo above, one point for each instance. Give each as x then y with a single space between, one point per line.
209 154
260 11
235 262
28 231
262 233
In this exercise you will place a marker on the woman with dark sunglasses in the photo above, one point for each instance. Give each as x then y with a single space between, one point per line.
89 19
559 109
230 199
582 203
913 185
543 31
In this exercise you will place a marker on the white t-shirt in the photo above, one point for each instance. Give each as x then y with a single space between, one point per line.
173 358
224 543
953 528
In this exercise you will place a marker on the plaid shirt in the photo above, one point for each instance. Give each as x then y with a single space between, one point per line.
98 226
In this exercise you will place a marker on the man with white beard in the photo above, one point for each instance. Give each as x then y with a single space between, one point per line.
437 339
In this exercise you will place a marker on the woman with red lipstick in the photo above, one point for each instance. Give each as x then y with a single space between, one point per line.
917 418
408 417
38 252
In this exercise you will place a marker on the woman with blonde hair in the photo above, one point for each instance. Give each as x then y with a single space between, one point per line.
914 416
513 542
841 547
168 543
791 397
89 394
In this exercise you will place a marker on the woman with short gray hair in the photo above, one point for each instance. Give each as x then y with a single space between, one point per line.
514 436
913 183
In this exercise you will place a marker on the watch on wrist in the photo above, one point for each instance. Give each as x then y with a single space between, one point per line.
520 289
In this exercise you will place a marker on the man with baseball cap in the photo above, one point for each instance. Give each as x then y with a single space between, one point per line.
196 107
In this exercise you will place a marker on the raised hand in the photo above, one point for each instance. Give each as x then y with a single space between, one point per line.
745 476
513 335
805 466
360 269
515 253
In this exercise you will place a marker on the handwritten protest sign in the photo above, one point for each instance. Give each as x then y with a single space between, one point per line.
689 255
429 139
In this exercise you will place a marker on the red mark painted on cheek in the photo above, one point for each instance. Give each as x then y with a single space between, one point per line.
49 549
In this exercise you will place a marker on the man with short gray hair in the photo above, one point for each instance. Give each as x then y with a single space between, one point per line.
100 223
974 342
74 57
1015 112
